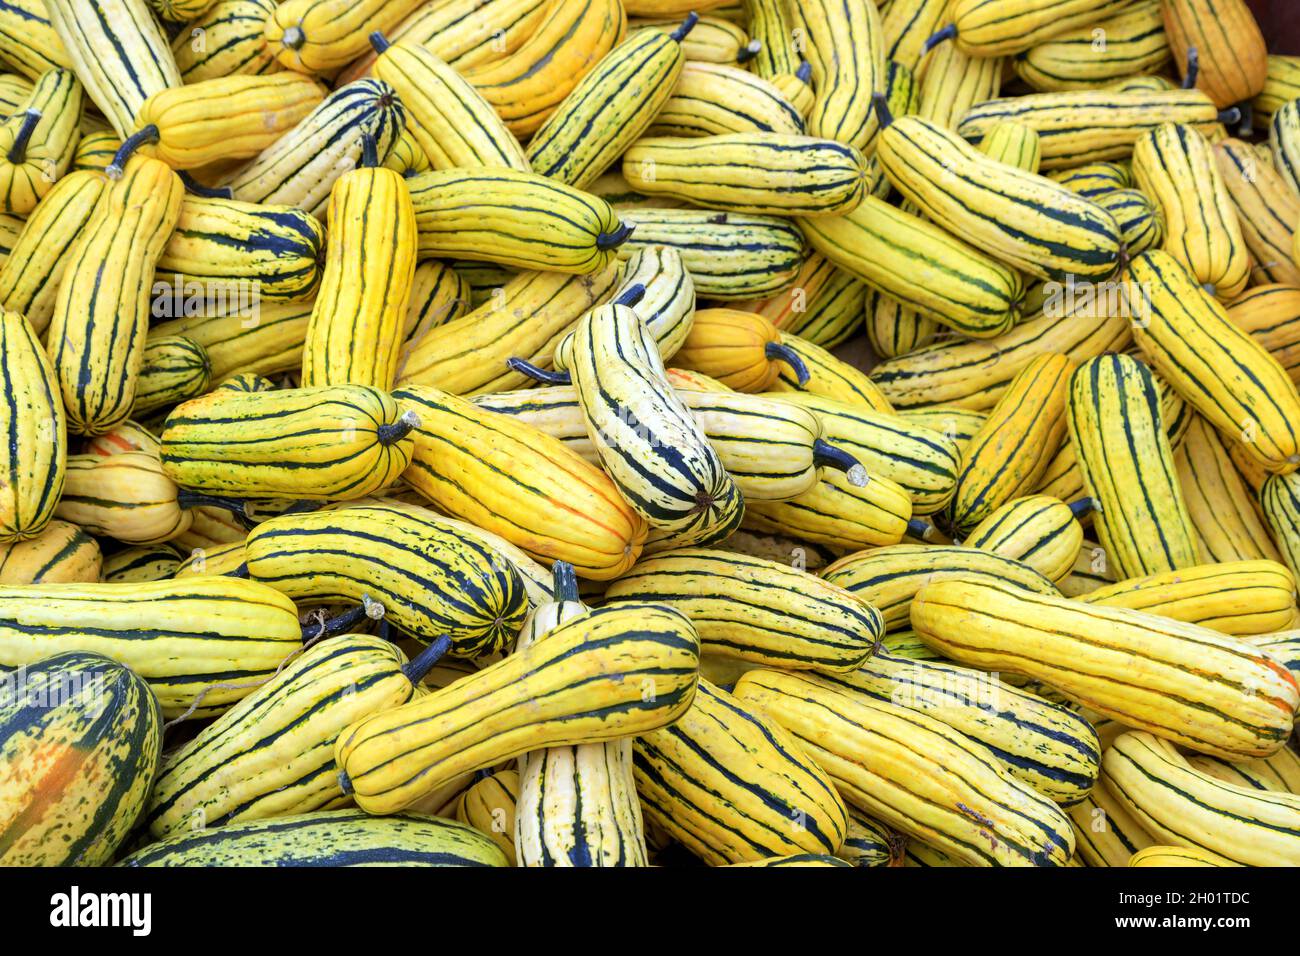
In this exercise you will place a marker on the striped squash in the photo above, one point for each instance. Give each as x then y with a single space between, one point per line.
465 33
1014 144
870 843
1037 530
527 86
272 754
1141 224
61 554
38 141
773 449
1279 501
1214 693
1023 219
802 175
1180 805
1005 27
224 118
845 45
518 219
1233 57
29 278
759 611
889 578
1281 85
226 245
712 39
1134 43
954 82
226 39
1105 833
358 443
96 338
28 42
772 24
527 319
667 308
1241 598
449 119
355 333
923 462
95 150
958 425
124 496
1015 444
913 772
837 513
577 805
612 672
733 786
34 431
1271 314
609 108
907 26
323 36
1118 433
644 435
1086 126
711 99
1064 479
729 255
974 375
1219 504
332 838
508 478
741 350
81 739
1048 747
1175 166
140 563
175 368
300 168
1166 856
119 51
1268 210
201 643
489 807
1220 370
349 555
921 266
829 377
267 340
824 306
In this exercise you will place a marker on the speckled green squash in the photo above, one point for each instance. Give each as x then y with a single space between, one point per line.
327 838
80 743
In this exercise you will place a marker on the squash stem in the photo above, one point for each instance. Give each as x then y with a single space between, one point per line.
399 429
1193 68
564 582
417 667
686 27
18 151
631 295
612 240
783 353
124 152
524 367
947 33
